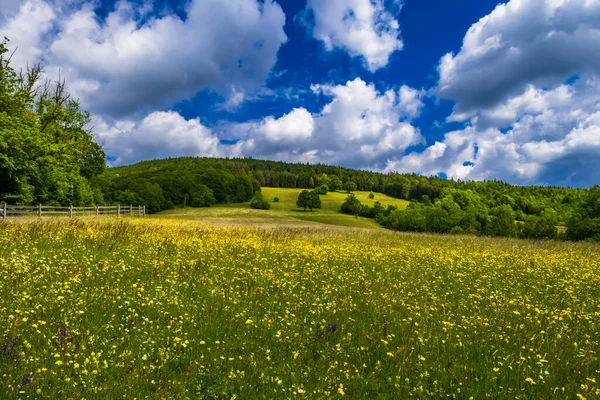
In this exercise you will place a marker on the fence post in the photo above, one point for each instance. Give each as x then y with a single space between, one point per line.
139 211
97 212
118 210
144 211
40 210
71 211
4 212
131 210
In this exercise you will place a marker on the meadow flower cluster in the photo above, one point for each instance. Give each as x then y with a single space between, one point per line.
162 308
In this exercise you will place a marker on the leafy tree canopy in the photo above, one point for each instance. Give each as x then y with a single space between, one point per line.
47 155
308 199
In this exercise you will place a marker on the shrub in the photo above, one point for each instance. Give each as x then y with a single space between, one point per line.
323 189
276 200
371 195
351 205
457 230
259 204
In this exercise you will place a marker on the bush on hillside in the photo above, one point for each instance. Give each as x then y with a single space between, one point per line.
351 205
259 204
323 189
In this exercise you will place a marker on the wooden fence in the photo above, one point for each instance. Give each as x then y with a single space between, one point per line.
8 210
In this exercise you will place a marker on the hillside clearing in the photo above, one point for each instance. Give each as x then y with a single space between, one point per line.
285 211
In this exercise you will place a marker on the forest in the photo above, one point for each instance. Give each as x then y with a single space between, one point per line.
49 156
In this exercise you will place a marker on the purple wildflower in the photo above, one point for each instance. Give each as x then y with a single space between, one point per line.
26 380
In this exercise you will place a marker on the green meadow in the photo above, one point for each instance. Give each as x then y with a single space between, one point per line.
285 211
186 308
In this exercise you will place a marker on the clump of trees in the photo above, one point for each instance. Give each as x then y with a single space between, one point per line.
165 184
465 212
353 206
437 205
201 196
47 155
308 199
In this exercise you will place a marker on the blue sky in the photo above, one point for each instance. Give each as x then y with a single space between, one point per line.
428 34
469 90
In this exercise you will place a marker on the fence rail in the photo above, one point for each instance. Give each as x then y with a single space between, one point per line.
7 210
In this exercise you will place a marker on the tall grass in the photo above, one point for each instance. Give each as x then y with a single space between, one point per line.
162 308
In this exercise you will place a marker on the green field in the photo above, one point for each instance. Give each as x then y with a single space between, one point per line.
285 211
168 308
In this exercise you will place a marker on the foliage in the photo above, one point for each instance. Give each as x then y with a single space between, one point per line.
543 227
46 154
202 196
260 204
322 190
350 186
163 308
335 183
351 205
276 200
308 199
196 182
502 221
371 195
584 224
440 205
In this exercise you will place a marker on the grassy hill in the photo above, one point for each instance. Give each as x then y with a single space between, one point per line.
285 211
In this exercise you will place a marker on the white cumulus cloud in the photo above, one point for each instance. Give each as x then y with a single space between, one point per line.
526 83
25 28
135 60
364 28
359 127
542 136
159 135
520 43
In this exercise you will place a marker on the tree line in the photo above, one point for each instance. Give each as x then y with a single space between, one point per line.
466 212
437 205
